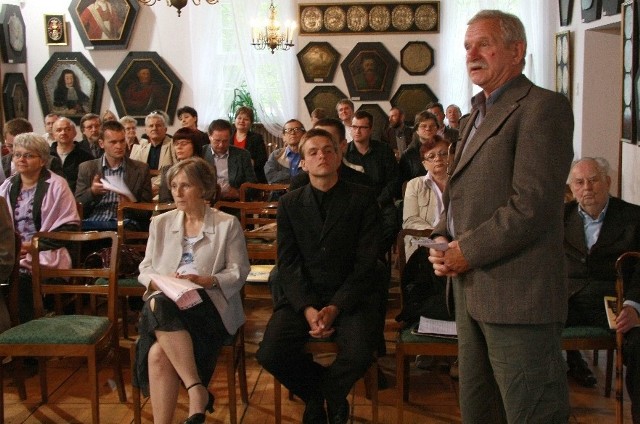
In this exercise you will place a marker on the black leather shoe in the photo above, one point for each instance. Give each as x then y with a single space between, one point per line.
314 412
579 371
200 418
339 415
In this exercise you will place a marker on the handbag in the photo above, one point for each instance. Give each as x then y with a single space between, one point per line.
128 266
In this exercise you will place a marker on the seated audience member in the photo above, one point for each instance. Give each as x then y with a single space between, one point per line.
101 204
453 117
7 247
376 159
284 162
38 200
185 144
598 228
334 127
130 132
410 165
243 138
325 277
344 109
48 127
397 135
156 150
68 151
318 114
232 164
11 129
188 117
108 116
448 133
90 128
205 246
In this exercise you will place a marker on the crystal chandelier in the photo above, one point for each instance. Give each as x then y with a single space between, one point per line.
267 34
178 4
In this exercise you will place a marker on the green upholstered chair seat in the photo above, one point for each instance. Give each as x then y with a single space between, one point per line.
406 336
122 282
64 329
583 332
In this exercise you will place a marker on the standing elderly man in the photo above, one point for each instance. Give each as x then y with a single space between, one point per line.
504 234
598 228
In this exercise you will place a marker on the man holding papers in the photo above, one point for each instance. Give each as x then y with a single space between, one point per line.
125 178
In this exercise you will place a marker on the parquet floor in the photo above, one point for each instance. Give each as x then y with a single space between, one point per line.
433 393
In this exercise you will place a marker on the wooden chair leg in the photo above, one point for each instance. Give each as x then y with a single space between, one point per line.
277 400
18 377
231 384
42 371
124 308
400 384
242 373
609 373
92 372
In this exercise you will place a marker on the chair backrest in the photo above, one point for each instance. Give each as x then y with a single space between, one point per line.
138 238
77 279
252 215
263 191
13 283
402 255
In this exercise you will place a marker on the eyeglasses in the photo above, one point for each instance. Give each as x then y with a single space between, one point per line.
25 155
358 128
428 127
431 157
297 130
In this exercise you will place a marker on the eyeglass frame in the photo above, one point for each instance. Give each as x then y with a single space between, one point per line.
444 156
295 130
26 155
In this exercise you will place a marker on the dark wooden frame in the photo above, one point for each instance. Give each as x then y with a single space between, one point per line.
55 30
412 98
324 96
611 7
88 76
127 13
629 100
355 18
164 80
593 13
15 92
566 10
12 25
417 57
563 63
386 67
318 62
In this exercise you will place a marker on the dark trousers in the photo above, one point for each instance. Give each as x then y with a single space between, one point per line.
631 352
282 353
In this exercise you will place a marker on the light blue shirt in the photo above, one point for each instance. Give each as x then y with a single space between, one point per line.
592 226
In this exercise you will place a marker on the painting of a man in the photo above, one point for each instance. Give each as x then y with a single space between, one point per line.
102 21
144 94
368 76
68 97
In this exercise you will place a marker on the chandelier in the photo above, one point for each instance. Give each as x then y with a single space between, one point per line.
267 34
178 4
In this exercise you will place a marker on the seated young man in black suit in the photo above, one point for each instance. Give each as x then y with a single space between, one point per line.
328 239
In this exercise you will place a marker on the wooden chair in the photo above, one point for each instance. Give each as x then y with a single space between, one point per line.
260 192
68 335
624 270
136 239
322 346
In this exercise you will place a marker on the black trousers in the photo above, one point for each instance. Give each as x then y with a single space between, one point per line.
281 352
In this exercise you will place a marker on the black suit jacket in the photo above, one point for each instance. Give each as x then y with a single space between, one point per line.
239 164
620 233
71 163
330 262
389 137
258 151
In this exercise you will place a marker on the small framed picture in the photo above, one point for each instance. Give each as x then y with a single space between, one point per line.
55 29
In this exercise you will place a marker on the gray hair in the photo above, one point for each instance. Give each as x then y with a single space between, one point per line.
602 165
156 115
128 120
511 27
199 172
33 142
67 120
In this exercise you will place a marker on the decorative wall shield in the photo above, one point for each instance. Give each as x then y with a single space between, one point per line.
70 86
566 9
369 71
55 30
100 28
563 64
629 124
417 57
324 96
144 83
12 34
412 99
318 62
15 95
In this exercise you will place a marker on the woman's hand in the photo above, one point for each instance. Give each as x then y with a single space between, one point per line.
206 282
24 249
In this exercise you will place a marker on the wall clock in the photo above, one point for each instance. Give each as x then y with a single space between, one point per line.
590 10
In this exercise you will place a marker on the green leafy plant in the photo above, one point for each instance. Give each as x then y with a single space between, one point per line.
242 97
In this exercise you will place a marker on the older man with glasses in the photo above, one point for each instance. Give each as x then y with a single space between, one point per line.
284 163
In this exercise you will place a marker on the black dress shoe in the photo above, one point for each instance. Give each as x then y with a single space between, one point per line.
200 418
579 371
314 412
339 415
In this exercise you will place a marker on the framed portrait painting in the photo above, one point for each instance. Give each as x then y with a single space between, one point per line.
70 86
15 95
369 71
144 83
12 34
104 24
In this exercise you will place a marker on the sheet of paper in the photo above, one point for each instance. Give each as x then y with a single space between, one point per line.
429 243
183 292
435 326
116 184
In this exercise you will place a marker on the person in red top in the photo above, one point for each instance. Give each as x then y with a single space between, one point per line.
244 138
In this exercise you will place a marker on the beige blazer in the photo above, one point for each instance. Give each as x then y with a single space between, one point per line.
167 153
420 208
221 253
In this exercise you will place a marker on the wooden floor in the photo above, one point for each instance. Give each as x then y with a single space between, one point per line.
433 394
